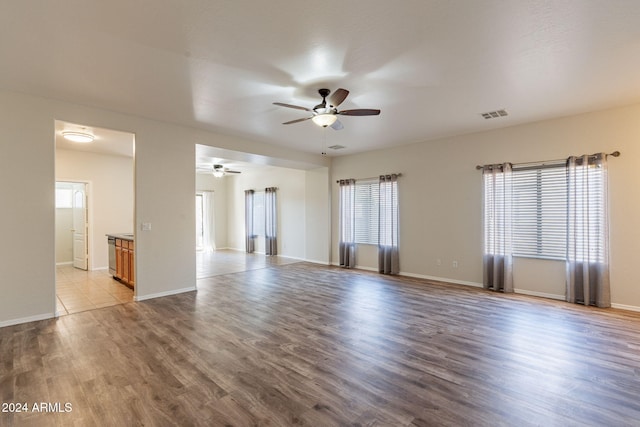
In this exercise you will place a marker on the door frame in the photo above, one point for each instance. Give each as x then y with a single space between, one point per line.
89 200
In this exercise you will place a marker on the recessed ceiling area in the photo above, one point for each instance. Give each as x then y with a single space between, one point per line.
431 67
207 156
106 141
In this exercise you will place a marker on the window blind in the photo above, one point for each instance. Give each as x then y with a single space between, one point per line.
366 211
540 211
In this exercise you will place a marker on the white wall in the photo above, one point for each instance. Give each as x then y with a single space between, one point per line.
207 182
290 208
164 191
318 212
110 196
64 240
440 197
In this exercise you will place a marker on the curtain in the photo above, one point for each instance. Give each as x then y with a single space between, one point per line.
347 236
388 254
271 222
208 222
587 267
498 244
248 221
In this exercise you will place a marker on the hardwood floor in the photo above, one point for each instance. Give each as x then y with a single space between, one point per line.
303 344
225 261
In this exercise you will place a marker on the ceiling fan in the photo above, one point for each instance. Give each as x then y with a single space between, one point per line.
217 170
326 113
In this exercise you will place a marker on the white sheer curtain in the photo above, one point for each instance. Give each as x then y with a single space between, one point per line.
248 221
587 265
347 236
388 227
271 221
208 222
498 233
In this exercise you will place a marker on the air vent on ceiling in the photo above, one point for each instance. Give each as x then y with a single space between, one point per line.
494 114
337 147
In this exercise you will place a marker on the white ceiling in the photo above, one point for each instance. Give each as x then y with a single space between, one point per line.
430 66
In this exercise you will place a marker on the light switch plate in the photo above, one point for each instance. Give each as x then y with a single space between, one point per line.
146 226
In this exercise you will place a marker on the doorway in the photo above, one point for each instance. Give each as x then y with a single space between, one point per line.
72 224
94 197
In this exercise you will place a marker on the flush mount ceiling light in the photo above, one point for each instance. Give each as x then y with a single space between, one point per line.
78 136
325 119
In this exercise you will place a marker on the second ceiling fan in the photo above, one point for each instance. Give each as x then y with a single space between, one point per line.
326 113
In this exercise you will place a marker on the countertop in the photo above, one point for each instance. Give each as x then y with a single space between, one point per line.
123 236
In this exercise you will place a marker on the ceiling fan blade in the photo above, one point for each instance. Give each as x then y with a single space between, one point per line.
337 125
292 106
296 121
338 96
228 171
360 112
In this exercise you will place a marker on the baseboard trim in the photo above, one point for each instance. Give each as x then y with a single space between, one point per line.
288 257
441 279
625 307
21 320
317 261
64 263
139 298
539 294
100 268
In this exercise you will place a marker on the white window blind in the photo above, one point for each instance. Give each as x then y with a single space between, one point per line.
540 211
366 211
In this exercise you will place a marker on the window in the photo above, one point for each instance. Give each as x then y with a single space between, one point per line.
258 213
64 197
367 211
540 211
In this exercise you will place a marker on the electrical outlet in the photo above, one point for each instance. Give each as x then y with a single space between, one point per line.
455 264
438 261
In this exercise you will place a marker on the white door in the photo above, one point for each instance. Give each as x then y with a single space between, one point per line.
79 207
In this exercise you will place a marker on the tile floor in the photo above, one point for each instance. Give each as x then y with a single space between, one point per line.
78 290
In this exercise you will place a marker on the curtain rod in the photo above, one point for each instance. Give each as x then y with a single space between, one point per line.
371 178
614 154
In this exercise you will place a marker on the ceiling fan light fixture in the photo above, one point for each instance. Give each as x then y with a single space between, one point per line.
80 137
218 173
325 119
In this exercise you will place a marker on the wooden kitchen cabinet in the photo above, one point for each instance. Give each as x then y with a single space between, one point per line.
125 251
118 274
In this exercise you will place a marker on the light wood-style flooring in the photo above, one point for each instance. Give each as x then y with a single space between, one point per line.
303 344
225 261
